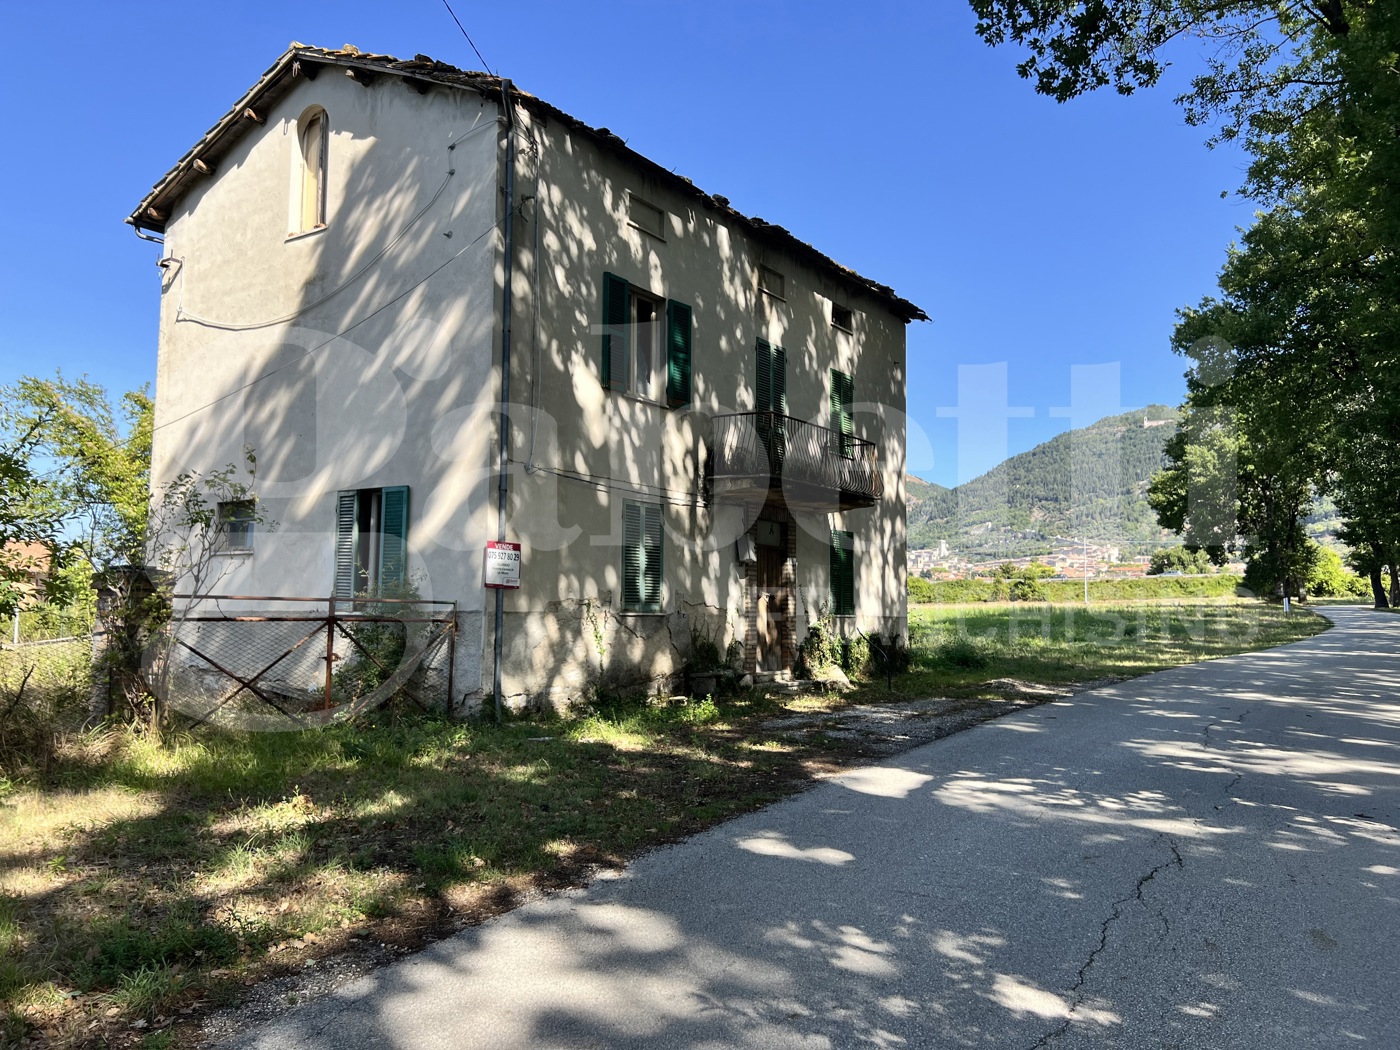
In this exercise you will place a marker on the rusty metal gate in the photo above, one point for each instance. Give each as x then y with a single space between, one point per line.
280 663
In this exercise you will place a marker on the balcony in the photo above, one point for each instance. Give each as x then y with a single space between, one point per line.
756 454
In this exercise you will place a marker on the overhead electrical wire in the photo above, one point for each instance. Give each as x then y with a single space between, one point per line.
469 37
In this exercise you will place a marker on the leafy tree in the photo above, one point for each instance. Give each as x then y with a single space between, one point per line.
27 521
1270 63
1330 578
94 459
1179 559
1311 296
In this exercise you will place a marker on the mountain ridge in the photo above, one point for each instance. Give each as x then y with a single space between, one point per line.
1087 483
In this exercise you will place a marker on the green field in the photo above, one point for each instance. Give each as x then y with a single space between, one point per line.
1137 588
964 645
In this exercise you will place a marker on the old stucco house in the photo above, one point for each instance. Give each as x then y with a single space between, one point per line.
705 414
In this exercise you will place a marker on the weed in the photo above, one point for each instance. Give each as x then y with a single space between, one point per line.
148 990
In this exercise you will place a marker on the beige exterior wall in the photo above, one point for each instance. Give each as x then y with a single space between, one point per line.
589 450
375 377
383 369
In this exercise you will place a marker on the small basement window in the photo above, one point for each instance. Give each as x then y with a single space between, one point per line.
772 282
841 317
646 217
236 520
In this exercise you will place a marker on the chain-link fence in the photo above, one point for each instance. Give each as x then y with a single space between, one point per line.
44 688
277 663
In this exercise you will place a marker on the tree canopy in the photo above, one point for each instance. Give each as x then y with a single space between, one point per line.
1293 380
75 472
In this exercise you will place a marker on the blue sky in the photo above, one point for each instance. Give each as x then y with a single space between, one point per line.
1041 235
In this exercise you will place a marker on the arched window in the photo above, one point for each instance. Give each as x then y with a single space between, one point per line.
311 131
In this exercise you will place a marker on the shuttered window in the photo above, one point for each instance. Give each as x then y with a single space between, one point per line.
393 545
635 346
641 557
843 397
843 573
371 541
616 310
678 318
770 378
346 537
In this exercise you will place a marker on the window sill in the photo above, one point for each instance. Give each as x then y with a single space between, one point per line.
641 400
306 233
235 552
650 233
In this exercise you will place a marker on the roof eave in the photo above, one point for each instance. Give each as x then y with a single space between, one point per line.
150 215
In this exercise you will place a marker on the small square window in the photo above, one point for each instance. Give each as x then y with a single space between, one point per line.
236 520
841 317
646 217
772 282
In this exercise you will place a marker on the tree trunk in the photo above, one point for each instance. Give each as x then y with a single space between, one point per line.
1394 585
1378 589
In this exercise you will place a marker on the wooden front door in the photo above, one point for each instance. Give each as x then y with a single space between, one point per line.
772 607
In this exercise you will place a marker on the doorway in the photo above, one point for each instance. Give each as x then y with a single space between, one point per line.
772 596
772 607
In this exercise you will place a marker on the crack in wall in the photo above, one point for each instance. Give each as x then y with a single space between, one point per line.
1077 995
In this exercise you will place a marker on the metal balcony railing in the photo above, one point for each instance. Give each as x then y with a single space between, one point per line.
756 453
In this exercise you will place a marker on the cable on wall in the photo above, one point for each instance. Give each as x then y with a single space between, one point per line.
343 332
226 326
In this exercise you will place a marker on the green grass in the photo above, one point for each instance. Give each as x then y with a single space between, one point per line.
1137 588
143 877
960 647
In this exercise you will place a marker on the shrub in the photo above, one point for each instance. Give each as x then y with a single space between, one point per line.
1028 589
855 655
820 649
888 655
1331 579
1179 560
962 652
704 652
921 591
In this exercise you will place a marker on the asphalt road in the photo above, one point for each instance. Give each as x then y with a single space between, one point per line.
1203 858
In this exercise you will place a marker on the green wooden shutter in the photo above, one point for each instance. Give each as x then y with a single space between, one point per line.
632 556
652 537
616 293
678 321
642 566
393 543
763 376
843 573
346 506
779 380
842 418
